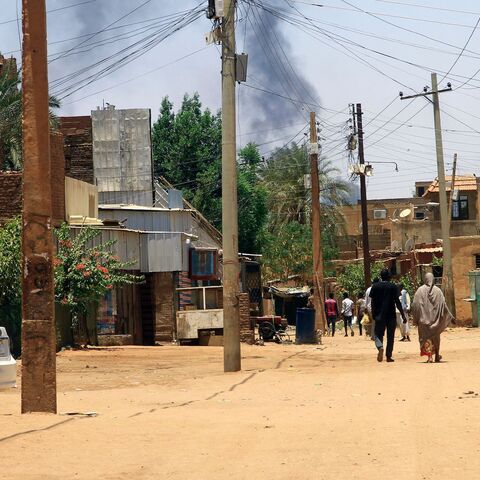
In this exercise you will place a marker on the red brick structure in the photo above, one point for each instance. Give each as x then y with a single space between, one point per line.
10 195
77 132
247 333
11 186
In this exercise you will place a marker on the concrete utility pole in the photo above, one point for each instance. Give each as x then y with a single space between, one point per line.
363 200
442 191
231 266
452 188
319 294
39 389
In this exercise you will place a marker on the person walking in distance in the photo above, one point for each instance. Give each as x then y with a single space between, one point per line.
361 308
384 299
347 312
405 301
331 312
368 303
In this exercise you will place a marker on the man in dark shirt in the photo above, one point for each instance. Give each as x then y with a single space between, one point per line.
384 297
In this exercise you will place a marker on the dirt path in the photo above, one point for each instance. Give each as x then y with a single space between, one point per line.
294 412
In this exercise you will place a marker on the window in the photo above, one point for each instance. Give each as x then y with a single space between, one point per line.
420 191
419 215
460 208
203 264
477 261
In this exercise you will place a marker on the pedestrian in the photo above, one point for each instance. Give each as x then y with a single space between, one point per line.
311 299
361 308
405 301
384 298
432 316
331 312
347 312
368 303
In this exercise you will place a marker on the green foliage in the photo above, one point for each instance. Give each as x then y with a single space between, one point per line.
409 283
84 273
289 202
288 251
352 279
437 261
187 150
11 119
186 143
10 262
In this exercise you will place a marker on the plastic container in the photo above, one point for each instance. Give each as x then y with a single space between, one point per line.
8 365
306 332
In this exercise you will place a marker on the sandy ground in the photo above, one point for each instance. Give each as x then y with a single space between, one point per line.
294 412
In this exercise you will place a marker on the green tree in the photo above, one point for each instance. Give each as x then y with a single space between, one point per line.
289 201
11 119
185 144
287 251
10 263
352 279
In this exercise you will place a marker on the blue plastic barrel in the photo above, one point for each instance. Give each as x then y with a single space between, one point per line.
306 326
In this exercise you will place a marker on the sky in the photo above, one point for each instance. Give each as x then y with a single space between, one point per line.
303 56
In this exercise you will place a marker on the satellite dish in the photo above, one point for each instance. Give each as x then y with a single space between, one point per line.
405 213
395 214
409 244
395 246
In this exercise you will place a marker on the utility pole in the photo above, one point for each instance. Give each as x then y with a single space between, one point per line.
363 199
231 266
39 389
442 191
452 188
319 294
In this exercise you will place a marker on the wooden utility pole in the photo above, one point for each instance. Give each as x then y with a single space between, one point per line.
442 191
231 266
363 200
319 294
39 389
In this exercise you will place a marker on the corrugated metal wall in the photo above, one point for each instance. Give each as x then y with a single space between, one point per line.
150 220
122 156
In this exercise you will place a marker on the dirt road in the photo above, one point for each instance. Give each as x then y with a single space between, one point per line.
294 412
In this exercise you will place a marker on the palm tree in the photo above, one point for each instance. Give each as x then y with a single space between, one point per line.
283 175
11 119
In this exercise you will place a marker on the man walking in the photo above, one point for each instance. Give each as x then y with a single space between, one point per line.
347 312
385 297
405 301
331 312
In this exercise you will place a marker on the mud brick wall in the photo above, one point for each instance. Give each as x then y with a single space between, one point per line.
164 297
77 132
247 334
10 195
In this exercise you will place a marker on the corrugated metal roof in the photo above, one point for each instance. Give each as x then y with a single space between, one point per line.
462 183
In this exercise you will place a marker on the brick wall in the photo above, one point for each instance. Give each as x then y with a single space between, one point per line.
247 334
10 195
11 186
77 132
58 178
163 298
